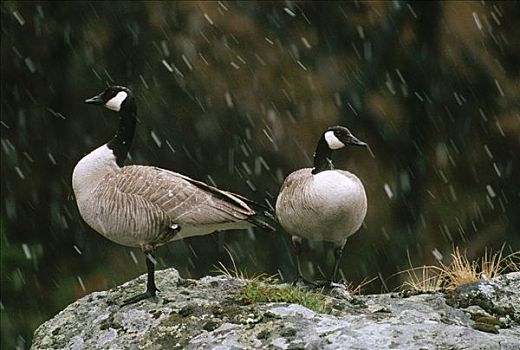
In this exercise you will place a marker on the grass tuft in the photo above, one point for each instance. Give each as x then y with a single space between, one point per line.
235 272
493 265
460 271
424 279
264 288
266 291
357 289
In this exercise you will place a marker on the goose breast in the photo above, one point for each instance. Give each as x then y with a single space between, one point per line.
328 206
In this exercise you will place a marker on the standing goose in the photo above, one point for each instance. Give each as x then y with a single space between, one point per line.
321 203
145 206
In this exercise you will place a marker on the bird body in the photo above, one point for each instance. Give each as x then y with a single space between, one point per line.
145 206
323 203
329 206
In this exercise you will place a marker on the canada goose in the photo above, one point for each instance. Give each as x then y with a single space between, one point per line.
321 203
145 206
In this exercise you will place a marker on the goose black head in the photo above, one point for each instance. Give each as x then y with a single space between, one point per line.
337 137
115 98
121 100
334 138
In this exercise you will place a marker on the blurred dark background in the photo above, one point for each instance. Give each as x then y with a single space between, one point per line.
237 94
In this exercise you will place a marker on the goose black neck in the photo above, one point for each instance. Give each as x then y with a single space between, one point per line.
322 157
122 140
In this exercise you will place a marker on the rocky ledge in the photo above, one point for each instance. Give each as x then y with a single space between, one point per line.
212 313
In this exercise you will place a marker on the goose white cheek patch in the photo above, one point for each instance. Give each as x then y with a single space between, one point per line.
333 141
115 102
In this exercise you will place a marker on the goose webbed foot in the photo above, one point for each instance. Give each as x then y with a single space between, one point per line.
143 296
323 283
338 290
330 284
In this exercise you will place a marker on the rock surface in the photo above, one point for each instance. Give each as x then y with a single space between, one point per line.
209 314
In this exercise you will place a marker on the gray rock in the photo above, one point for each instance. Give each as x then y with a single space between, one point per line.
208 314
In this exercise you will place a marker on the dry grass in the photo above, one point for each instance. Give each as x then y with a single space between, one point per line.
423 279
356 289
494 265
460 271
233 271
236 273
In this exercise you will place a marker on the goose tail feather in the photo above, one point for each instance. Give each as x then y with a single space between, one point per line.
265 219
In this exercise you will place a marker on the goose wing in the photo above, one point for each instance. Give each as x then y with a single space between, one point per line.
184 200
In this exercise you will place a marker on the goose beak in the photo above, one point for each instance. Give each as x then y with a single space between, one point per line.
356 142
96 100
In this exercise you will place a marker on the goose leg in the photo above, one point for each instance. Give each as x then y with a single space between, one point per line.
151 289
338 254
297 243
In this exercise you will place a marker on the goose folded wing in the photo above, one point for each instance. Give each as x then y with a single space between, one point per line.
185 201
